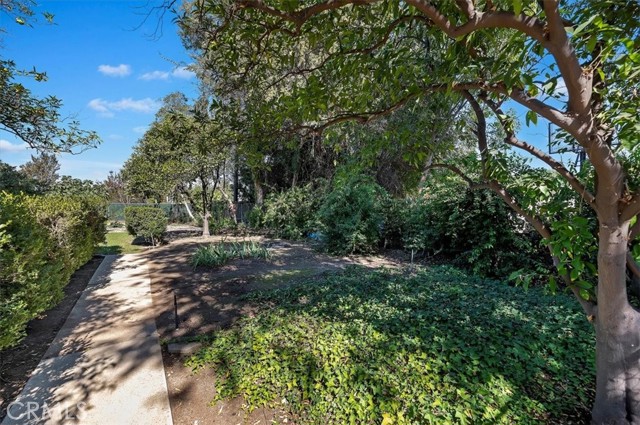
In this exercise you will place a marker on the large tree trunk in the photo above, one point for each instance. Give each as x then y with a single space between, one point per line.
617 335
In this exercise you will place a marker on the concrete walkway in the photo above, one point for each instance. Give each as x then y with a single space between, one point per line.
105 364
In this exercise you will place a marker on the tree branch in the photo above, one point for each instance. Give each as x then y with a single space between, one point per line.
579 83
631 209
481 130
455 170
557 166
528 25
363 51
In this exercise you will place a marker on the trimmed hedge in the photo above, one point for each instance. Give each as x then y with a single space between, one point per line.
147 222
43 240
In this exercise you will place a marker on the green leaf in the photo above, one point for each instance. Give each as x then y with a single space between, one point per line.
531 117
584 294
583 25
591 44
517 6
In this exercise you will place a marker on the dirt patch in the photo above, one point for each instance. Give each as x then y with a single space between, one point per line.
211 299
17 363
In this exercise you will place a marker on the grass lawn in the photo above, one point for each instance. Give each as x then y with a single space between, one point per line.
119 243
433 347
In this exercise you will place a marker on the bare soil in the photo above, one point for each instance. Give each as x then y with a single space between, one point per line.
212 299
17 363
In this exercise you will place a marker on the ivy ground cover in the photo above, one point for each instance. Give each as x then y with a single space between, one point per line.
386 347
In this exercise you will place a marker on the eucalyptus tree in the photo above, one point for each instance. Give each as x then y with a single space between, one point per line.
183 149
326 62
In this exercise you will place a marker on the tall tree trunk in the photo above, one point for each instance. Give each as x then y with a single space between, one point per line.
186 205
206 214
233 207
617 335
257 185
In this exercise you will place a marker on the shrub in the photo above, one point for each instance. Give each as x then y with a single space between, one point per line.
435 347
43 240
351 216
76 222
291 214
475 228
216 255
147 222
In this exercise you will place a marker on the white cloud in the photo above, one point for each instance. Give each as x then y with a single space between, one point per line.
183 72
140 130
107 108
7 146
155 75
121 70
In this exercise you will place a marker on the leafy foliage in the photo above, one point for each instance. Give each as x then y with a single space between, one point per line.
43 240
76 223
147 222
476 228
291 214
37 121
43 170
13 181
351 216
372 347
216 255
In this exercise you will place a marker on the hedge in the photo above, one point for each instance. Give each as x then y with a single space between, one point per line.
43 240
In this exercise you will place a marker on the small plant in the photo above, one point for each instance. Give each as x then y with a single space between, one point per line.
216 255
147 222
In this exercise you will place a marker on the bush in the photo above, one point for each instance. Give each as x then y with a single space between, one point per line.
43 240
77 224
147 222
475 228
290 214
352 216
435 347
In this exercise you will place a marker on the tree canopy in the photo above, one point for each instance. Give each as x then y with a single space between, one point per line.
305 66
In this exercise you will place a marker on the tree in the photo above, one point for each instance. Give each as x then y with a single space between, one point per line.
71 186
43 170
353 60
36 121
183 149
116 188
13 181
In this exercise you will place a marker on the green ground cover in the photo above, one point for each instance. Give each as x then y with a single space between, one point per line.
435 346
119 243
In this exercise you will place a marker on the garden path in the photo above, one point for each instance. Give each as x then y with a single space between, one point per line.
105 364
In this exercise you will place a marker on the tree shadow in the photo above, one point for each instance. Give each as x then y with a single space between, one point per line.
469 348
108 339
109 250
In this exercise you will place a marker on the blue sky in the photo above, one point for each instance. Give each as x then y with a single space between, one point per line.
108 74
111 75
